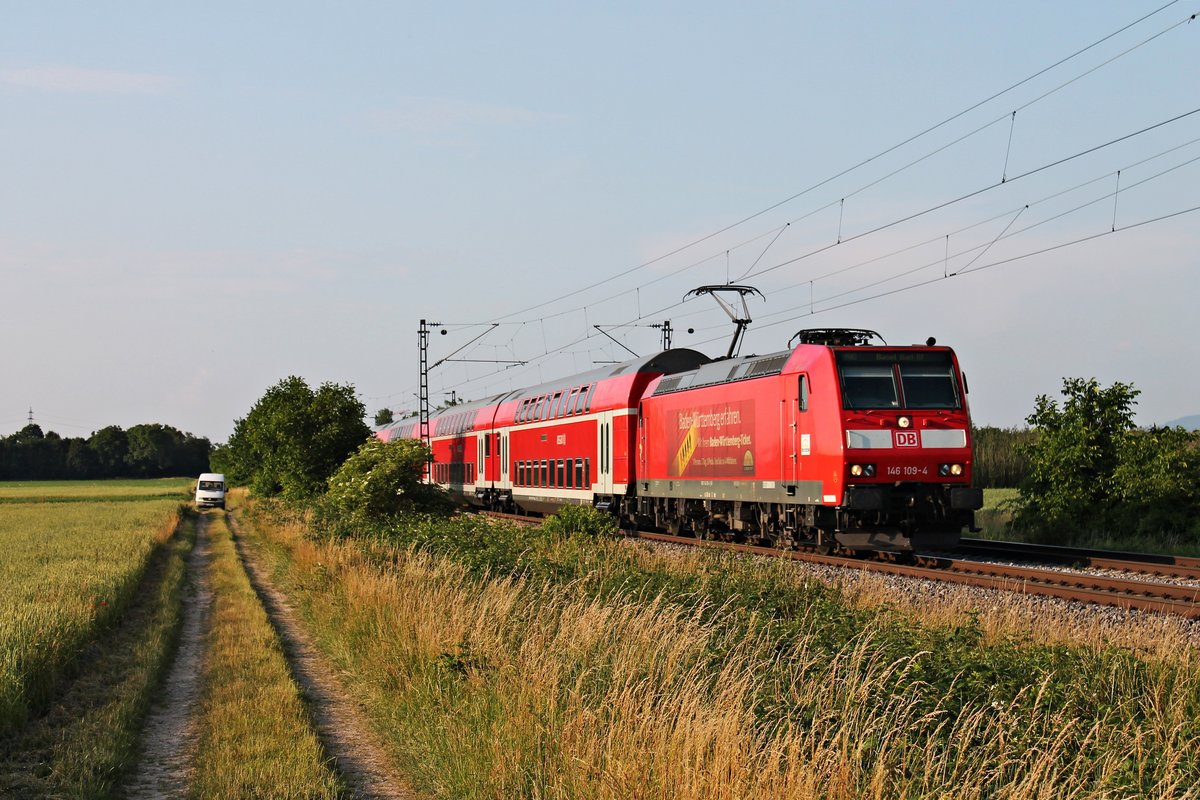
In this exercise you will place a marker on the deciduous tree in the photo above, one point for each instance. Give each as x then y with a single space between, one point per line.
294 438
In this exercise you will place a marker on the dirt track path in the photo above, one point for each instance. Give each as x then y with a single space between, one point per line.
344 732
167 742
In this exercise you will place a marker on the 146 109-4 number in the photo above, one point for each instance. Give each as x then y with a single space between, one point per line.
907 472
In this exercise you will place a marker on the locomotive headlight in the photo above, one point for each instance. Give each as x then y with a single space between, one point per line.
904 422
856 470
862 470
950 469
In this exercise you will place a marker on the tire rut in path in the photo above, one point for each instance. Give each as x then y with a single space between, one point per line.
348 739
167 740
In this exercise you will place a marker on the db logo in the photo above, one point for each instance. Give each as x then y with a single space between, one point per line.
907 439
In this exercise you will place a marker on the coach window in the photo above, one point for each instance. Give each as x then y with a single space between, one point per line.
569 406
556 405
544 469
579 484
570 484
580 399
560 475
803 397
587 405
587 472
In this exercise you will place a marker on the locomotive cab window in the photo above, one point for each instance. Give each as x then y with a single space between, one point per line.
876 379
928 386
869 386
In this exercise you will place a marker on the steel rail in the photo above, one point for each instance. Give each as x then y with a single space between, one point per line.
1116 592
1139 563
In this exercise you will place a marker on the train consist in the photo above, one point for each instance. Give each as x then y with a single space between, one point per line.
836 443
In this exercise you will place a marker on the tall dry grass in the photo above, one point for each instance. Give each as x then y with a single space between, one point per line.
502 687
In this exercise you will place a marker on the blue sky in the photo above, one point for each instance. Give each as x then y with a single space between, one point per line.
202 199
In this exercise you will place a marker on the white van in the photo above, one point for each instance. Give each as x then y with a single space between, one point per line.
210 490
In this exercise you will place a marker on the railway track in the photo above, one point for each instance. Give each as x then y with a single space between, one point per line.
1119 592
1134 563
1143 595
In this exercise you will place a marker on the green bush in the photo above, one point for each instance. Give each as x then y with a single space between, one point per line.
1094 474
380 480
581 521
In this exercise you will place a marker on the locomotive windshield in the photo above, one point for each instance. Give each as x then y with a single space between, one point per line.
880 379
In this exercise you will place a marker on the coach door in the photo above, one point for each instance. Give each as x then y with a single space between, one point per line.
604 447
504 466
482 452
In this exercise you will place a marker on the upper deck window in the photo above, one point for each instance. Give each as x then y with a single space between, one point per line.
883 379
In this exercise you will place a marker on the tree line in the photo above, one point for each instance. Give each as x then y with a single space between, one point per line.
141 451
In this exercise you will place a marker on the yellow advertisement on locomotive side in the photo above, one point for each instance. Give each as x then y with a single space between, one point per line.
714 441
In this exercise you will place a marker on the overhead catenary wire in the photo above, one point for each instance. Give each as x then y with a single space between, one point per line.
814 301
980 268
858 165
893 173
777 231
1003 236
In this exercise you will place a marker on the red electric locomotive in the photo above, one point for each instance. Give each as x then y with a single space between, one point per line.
835 442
